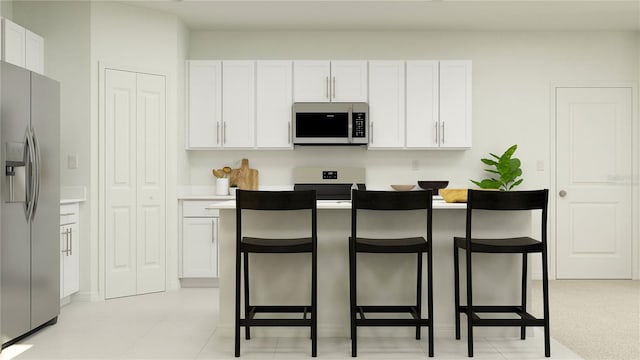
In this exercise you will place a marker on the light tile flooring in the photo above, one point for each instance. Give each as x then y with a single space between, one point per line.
182 325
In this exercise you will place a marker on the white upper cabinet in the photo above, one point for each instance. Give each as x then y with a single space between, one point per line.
348 81
422 104
330 81
238 104
204 104
455 104
22 47
274 96
34 52
14 43
386 104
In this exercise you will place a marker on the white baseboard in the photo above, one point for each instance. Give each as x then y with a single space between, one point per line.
199 282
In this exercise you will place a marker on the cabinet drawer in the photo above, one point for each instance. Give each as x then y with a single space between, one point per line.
68 214
198 209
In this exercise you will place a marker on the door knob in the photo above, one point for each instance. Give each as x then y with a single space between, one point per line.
562 193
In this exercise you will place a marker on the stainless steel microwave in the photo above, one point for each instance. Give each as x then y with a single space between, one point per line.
330 123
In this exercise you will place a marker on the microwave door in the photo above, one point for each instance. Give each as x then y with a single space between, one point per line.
322 128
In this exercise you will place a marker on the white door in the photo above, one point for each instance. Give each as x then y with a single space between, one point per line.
151 183
134 180
274 97
34 52
386 104
238 104
348 81
120 182
14 43
594 193
311 81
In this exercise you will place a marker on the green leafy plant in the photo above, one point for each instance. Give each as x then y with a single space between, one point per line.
507 169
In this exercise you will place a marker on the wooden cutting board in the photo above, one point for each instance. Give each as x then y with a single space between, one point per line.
244 177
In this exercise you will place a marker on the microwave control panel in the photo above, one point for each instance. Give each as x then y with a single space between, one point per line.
359 124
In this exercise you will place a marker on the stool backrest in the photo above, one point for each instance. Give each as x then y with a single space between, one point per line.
508 201
391 201
276 201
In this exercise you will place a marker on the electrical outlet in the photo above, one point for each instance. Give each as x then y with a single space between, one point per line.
72 161
540 165
415 165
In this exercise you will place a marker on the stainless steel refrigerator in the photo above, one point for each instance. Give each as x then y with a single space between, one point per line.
30 190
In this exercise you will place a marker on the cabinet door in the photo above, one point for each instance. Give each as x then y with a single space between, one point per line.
204 104
238 104
34 52
199 247
422 104
71 262
348 81
274 97
455 104
311 81
14 41
386 104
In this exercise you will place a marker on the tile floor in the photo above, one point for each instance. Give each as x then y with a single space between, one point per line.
182 325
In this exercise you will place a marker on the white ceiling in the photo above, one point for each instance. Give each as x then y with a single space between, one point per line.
401 15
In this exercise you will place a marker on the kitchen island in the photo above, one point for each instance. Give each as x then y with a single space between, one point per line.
382 278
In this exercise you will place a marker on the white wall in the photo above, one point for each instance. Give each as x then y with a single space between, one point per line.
146 40
512 73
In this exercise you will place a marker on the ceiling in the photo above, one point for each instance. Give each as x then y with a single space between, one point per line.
401 15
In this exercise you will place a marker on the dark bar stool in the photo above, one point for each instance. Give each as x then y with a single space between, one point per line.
391 201
275 201
503 201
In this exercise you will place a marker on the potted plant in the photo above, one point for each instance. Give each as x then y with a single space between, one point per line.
506 168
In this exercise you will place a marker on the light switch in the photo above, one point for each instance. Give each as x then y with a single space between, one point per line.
72 161
540 165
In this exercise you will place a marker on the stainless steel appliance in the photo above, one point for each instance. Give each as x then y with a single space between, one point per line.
330 183
330 123
30 198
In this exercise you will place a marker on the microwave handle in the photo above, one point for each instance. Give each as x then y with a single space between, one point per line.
350 126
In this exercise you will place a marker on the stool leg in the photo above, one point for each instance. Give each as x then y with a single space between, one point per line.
247 303
545 294
237 315
469 304
314 304
352 292
523 329
419 294
430 298
456 276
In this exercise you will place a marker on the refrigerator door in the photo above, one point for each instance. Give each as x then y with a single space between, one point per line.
45 226
15 262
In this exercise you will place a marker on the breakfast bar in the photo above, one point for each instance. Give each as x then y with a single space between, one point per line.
286 280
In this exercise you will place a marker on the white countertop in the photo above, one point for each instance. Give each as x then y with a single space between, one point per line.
340 204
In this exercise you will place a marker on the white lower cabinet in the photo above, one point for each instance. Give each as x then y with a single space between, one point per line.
69 250
199 240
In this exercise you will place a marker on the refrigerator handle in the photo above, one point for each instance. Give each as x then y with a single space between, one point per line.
36 177
29 178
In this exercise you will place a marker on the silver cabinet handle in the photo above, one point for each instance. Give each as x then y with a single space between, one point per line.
70 241
289 131
326 88
224 132
442 132
436 131
371 131
562 193
213 231
333 90
64 233
217 132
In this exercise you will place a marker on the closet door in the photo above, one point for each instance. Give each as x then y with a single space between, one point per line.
135 183
150 183
121 183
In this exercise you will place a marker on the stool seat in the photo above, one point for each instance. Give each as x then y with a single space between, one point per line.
399 245
516 245
269 245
